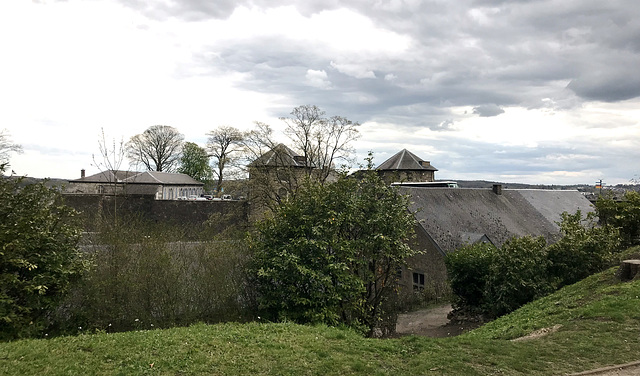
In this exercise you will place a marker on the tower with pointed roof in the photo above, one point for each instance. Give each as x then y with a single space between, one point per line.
405 166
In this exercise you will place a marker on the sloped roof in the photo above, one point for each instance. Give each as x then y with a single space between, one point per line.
454 217
107 176
165 178
405 160
281 155
134 177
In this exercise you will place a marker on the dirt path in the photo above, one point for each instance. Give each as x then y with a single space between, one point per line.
433 322
430 322
629 369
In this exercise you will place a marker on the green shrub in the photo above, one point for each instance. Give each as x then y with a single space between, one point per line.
331 254
468 270
498 281
38 256
517 275
584 249
623 214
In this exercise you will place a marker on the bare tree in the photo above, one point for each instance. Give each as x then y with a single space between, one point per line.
225 145
274 173
112 155
158 148
318 143
6 148
322 141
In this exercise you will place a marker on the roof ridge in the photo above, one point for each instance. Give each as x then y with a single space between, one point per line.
132 177
153 176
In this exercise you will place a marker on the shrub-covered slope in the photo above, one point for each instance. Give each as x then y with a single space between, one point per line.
597 322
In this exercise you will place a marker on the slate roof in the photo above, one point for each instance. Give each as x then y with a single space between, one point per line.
165 178
134 177
406 160
281 155
454 217
107 176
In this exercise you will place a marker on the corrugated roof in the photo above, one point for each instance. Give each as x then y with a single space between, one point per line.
449 216
406 160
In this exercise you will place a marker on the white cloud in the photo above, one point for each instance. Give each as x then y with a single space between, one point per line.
317 79
354 70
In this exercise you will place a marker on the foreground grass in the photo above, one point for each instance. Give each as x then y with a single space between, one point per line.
600 320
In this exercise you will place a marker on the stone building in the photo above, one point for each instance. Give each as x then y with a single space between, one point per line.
162 185
405 166
447 219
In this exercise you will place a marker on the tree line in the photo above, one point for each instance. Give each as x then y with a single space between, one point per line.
322 141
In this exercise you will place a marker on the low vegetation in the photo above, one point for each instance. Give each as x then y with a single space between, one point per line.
597 321
146 275
494 281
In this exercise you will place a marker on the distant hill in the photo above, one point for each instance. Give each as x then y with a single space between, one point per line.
578 187
53 182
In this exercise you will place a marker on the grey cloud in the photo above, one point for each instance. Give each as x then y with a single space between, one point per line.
608 86
487 110
189 10
459 160
487 54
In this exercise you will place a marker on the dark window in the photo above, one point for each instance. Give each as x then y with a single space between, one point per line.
418 281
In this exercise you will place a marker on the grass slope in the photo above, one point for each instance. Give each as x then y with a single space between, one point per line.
600 320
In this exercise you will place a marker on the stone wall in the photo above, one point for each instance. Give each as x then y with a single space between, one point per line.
146 207
430 264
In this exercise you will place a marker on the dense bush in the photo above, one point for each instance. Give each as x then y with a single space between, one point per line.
623 214
468 272
38 255
496 281
331 255
517 275
144 276
584 249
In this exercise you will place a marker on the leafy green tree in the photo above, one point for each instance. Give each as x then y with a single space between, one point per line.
517 275
195 162
623 214
38 255
331 254
585 248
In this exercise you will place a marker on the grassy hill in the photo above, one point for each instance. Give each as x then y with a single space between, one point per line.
597 322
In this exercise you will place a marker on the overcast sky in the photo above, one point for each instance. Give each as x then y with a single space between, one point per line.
513 91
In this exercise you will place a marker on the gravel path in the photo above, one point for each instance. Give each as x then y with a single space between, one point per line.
430 322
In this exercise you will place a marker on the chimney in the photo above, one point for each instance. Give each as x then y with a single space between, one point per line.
497 189
82 173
